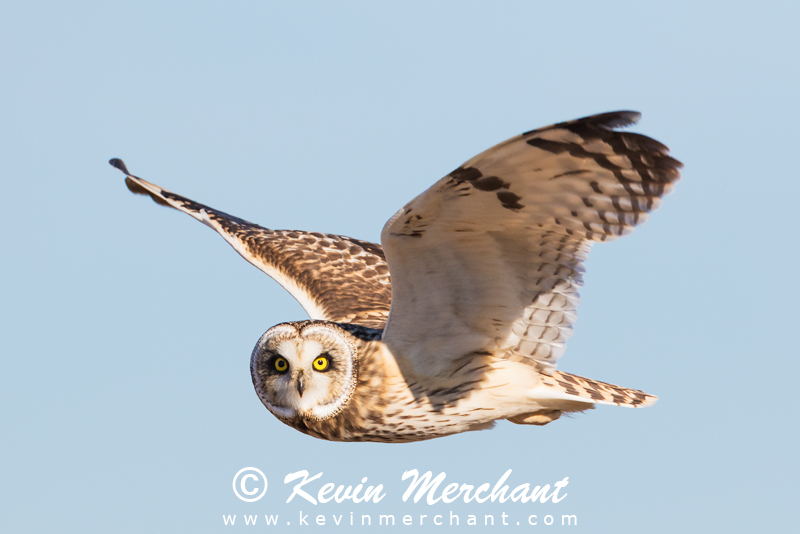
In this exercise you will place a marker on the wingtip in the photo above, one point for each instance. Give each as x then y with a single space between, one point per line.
614 119
133 186
605 121
118 164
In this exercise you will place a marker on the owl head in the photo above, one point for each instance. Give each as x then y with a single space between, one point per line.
305 369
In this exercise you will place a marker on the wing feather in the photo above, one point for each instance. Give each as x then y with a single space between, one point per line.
335 278
490 258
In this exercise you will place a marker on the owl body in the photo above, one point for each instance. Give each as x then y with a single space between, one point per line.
385 400
387 403
459 319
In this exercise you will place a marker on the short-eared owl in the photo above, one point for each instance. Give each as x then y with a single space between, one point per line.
485 268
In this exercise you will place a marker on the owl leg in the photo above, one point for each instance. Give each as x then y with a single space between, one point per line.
542 417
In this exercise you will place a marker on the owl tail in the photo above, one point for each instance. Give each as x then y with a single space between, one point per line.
562 392
574 387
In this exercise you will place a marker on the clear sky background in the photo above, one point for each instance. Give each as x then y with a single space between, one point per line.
125 396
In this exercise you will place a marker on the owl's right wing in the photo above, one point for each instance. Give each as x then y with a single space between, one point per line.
335 278
490 258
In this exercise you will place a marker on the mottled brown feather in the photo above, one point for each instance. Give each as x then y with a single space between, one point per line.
346 279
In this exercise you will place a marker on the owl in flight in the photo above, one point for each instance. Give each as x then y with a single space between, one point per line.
459 319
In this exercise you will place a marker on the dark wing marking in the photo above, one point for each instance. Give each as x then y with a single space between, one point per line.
490 257
335 278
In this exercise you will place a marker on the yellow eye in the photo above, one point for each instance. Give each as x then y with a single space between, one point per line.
281 365
321 363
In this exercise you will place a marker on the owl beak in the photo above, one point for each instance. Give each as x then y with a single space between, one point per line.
301 386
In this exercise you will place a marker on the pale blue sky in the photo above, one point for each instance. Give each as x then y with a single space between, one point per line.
126 400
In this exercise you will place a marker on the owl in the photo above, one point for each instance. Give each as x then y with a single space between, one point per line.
460 318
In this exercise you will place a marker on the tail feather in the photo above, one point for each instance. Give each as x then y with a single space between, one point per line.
578 388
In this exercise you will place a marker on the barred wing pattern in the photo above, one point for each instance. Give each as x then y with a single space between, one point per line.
335 278
490 258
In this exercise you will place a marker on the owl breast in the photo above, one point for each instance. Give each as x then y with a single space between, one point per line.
391 405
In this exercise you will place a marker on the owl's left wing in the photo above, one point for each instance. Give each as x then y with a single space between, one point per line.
490 258
335 278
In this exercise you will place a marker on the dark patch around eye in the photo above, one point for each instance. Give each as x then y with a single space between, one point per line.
331 362
270 367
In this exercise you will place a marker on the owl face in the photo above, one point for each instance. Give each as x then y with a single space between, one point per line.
306 369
